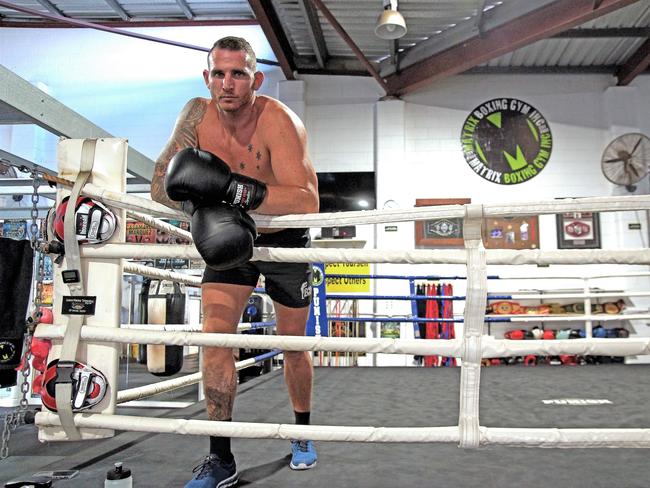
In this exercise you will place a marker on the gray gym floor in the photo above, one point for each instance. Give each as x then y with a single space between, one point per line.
510 396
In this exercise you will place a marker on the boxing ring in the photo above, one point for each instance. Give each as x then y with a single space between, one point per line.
101 332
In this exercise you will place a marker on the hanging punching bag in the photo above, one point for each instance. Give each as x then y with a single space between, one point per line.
143 310
16 264
165 305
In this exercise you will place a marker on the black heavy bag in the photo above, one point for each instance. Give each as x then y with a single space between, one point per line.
253 313
166 305
143 309
16 268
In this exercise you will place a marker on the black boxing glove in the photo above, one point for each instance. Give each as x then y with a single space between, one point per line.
202 177
223 235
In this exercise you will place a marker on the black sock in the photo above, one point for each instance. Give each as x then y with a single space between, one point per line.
221 446
302 418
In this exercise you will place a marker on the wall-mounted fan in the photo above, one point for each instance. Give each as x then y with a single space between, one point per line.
626 159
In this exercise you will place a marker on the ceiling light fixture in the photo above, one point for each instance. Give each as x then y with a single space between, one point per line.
391 23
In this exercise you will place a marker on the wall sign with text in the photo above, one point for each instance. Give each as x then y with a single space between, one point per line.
350 283
506 141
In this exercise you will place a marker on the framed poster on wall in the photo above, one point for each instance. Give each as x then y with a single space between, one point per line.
511 232
578 230
439 232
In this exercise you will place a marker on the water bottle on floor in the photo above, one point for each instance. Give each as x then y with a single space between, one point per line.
118 477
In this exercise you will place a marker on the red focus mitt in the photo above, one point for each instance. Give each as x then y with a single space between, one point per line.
94 222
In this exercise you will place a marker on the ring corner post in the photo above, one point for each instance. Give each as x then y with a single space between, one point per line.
102 279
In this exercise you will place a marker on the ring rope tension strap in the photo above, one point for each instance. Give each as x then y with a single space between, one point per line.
468 419
73 279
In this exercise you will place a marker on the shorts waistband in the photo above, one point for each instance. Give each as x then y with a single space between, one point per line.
284 236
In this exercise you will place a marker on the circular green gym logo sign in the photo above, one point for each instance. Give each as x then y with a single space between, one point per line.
316 276
506 141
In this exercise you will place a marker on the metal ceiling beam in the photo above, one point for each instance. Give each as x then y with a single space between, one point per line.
337 65
334 72
50 6
23 186
11 158
315 32
539 24
272 28
351 44
21 213
605 32
493 18
542 70
119 10
635 65
187 11
479 16
90 25
39 108
131 23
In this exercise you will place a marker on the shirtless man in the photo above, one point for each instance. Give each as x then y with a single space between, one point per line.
262 139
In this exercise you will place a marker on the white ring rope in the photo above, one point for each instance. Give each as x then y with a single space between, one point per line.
490 347
161 274
182 327
634 274
418 256
165 386
573 318
628 438
402 318
593 204
160 225
157 273
596 204
254 341
498 348
131 202
546 296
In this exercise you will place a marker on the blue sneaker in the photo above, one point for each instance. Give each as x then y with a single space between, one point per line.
303 455
214 473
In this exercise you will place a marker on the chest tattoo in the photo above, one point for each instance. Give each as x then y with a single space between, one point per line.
258 158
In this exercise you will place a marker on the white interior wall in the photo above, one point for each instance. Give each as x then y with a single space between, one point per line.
417 154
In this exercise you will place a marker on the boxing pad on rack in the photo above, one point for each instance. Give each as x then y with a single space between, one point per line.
622 333
515 335
530 360
599 332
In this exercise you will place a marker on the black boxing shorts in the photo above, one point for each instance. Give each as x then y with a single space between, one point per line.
286 283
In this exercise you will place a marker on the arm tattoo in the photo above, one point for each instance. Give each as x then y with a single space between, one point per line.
185 134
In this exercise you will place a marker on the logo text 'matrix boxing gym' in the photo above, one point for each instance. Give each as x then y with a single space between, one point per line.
506 141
